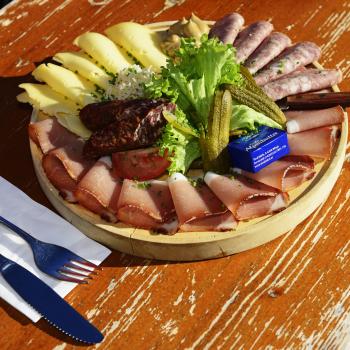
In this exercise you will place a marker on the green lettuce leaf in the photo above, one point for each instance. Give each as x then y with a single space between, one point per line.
192 78
181 149
245 119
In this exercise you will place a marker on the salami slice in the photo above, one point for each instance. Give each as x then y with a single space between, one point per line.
298 55
270 48
250 38
309 80
227 28
140 125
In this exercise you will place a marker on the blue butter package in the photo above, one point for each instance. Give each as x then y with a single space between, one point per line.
255 151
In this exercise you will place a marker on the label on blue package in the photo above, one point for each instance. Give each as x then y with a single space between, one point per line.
253 152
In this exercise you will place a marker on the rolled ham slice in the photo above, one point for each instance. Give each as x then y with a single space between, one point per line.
316 143
197 207
246 198
99 190
284 174
298 55
270 48
250 38
227 28
147 205
49 134
304 120
309 80
65 167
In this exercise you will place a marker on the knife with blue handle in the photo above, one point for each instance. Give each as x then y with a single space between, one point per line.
48 303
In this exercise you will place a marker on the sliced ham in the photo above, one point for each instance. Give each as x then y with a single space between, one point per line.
309 80
284 174
99 190
65 167
270 48
227 28
49 134
316 143
197 207
147 205
296 56
304 120
250 38
246 198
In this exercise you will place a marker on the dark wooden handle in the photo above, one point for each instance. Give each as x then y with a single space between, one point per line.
319 100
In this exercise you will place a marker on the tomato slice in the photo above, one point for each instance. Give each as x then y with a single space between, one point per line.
140 164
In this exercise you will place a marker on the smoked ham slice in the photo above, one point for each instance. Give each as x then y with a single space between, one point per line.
147 205
246 198
65 167
304 120
49 134
99 190
316 143
197 207
284 174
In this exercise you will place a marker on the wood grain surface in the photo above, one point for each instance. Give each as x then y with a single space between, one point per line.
292 293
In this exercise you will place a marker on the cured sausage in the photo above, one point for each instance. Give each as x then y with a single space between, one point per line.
309 80
250 38
298 55
140 125
227 28
270 48
96 116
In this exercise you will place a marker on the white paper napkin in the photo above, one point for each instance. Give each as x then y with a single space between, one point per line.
45 225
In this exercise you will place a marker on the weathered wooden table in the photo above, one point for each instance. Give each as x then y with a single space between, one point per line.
292 293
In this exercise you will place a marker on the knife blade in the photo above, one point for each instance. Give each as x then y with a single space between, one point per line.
315 101
48 303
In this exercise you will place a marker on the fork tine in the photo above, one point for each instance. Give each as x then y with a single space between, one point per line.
71 279
85 262
79 268
74 273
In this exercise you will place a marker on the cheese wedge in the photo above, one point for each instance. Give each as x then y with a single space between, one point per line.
74 124
81 63
42 97
67 83
50 102
140 41
104 51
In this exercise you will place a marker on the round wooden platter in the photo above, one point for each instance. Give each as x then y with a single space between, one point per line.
187 246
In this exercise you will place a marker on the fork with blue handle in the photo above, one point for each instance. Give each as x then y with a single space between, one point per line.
54 260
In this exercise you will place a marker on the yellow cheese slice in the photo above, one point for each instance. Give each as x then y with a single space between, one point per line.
81 63
74 124
43 98
140 41
104 51
67 83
